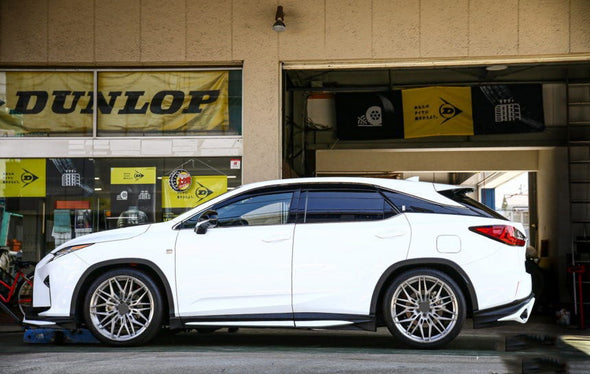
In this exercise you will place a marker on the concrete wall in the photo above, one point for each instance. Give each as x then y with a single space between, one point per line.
136 33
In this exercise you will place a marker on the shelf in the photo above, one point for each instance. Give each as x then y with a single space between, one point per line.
580 201
580 182
579 143
580 162
581 221
579 103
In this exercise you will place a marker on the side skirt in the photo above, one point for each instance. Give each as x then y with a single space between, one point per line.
280 320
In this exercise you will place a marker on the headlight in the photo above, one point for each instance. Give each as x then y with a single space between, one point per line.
65 251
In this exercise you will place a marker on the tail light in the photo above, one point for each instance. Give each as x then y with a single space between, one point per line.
502 233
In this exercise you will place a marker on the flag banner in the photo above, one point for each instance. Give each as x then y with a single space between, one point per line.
138 102
368 116
37 103
70 177
503 109
185 195
22 177
436 111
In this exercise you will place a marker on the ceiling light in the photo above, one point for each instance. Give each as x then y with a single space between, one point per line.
496 67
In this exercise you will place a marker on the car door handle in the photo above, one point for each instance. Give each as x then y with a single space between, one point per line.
390 234
276 238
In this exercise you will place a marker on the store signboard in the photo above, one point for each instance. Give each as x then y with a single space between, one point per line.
128 102
46 102
163 101
22 177
202 189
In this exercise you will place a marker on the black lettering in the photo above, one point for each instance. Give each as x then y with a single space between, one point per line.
131 103
60 101
200 97
24 98
103 106
177 100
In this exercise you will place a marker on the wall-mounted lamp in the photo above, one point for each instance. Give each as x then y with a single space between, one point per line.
279 25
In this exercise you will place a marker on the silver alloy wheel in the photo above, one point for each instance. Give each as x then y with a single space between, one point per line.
424 309
121 308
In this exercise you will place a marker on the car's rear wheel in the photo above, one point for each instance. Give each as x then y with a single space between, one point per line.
424 308
123 307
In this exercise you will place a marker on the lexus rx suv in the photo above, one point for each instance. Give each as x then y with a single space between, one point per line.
312 253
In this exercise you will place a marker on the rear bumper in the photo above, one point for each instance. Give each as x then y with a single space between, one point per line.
518 311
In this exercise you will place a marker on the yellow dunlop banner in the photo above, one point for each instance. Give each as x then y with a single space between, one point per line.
46 102
127 102
434 111
22 177
201 189
163 101
133 175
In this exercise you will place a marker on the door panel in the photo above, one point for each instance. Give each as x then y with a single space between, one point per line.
234 270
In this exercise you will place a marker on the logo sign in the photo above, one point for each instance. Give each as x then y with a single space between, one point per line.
201 189
133 175
180 180
436 111
22 178
235 163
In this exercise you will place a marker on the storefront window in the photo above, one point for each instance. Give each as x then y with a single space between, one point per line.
45 202
128 103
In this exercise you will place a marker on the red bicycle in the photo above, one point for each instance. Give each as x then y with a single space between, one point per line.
16 292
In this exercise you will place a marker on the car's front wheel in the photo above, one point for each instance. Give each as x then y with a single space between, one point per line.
123 307
424 308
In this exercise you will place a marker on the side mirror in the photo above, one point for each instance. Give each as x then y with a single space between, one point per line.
207 220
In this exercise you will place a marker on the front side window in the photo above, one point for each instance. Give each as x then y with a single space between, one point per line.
344 206
258 210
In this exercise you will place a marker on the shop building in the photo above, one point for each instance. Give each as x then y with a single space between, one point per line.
101 55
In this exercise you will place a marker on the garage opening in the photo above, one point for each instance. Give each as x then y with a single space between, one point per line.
535 157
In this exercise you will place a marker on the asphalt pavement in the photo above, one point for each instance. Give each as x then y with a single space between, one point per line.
540 346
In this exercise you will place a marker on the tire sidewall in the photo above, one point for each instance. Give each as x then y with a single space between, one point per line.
461 305
153 328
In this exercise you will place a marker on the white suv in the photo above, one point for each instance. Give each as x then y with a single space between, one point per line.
302 253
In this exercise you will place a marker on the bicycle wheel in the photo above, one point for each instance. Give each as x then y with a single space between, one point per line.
24 294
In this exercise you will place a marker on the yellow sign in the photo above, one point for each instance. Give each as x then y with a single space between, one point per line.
22 177
202 189
127 102
434 111
46 102
133 175
188 101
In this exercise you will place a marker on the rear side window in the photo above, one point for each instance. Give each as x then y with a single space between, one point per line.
343 206
474 206
411 204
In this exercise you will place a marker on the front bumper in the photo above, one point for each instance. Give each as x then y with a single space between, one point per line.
518 311
33 319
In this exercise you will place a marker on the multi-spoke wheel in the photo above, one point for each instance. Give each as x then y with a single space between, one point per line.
123 307
424 308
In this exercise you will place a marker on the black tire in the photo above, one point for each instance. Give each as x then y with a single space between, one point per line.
123 307
424 308
24 294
